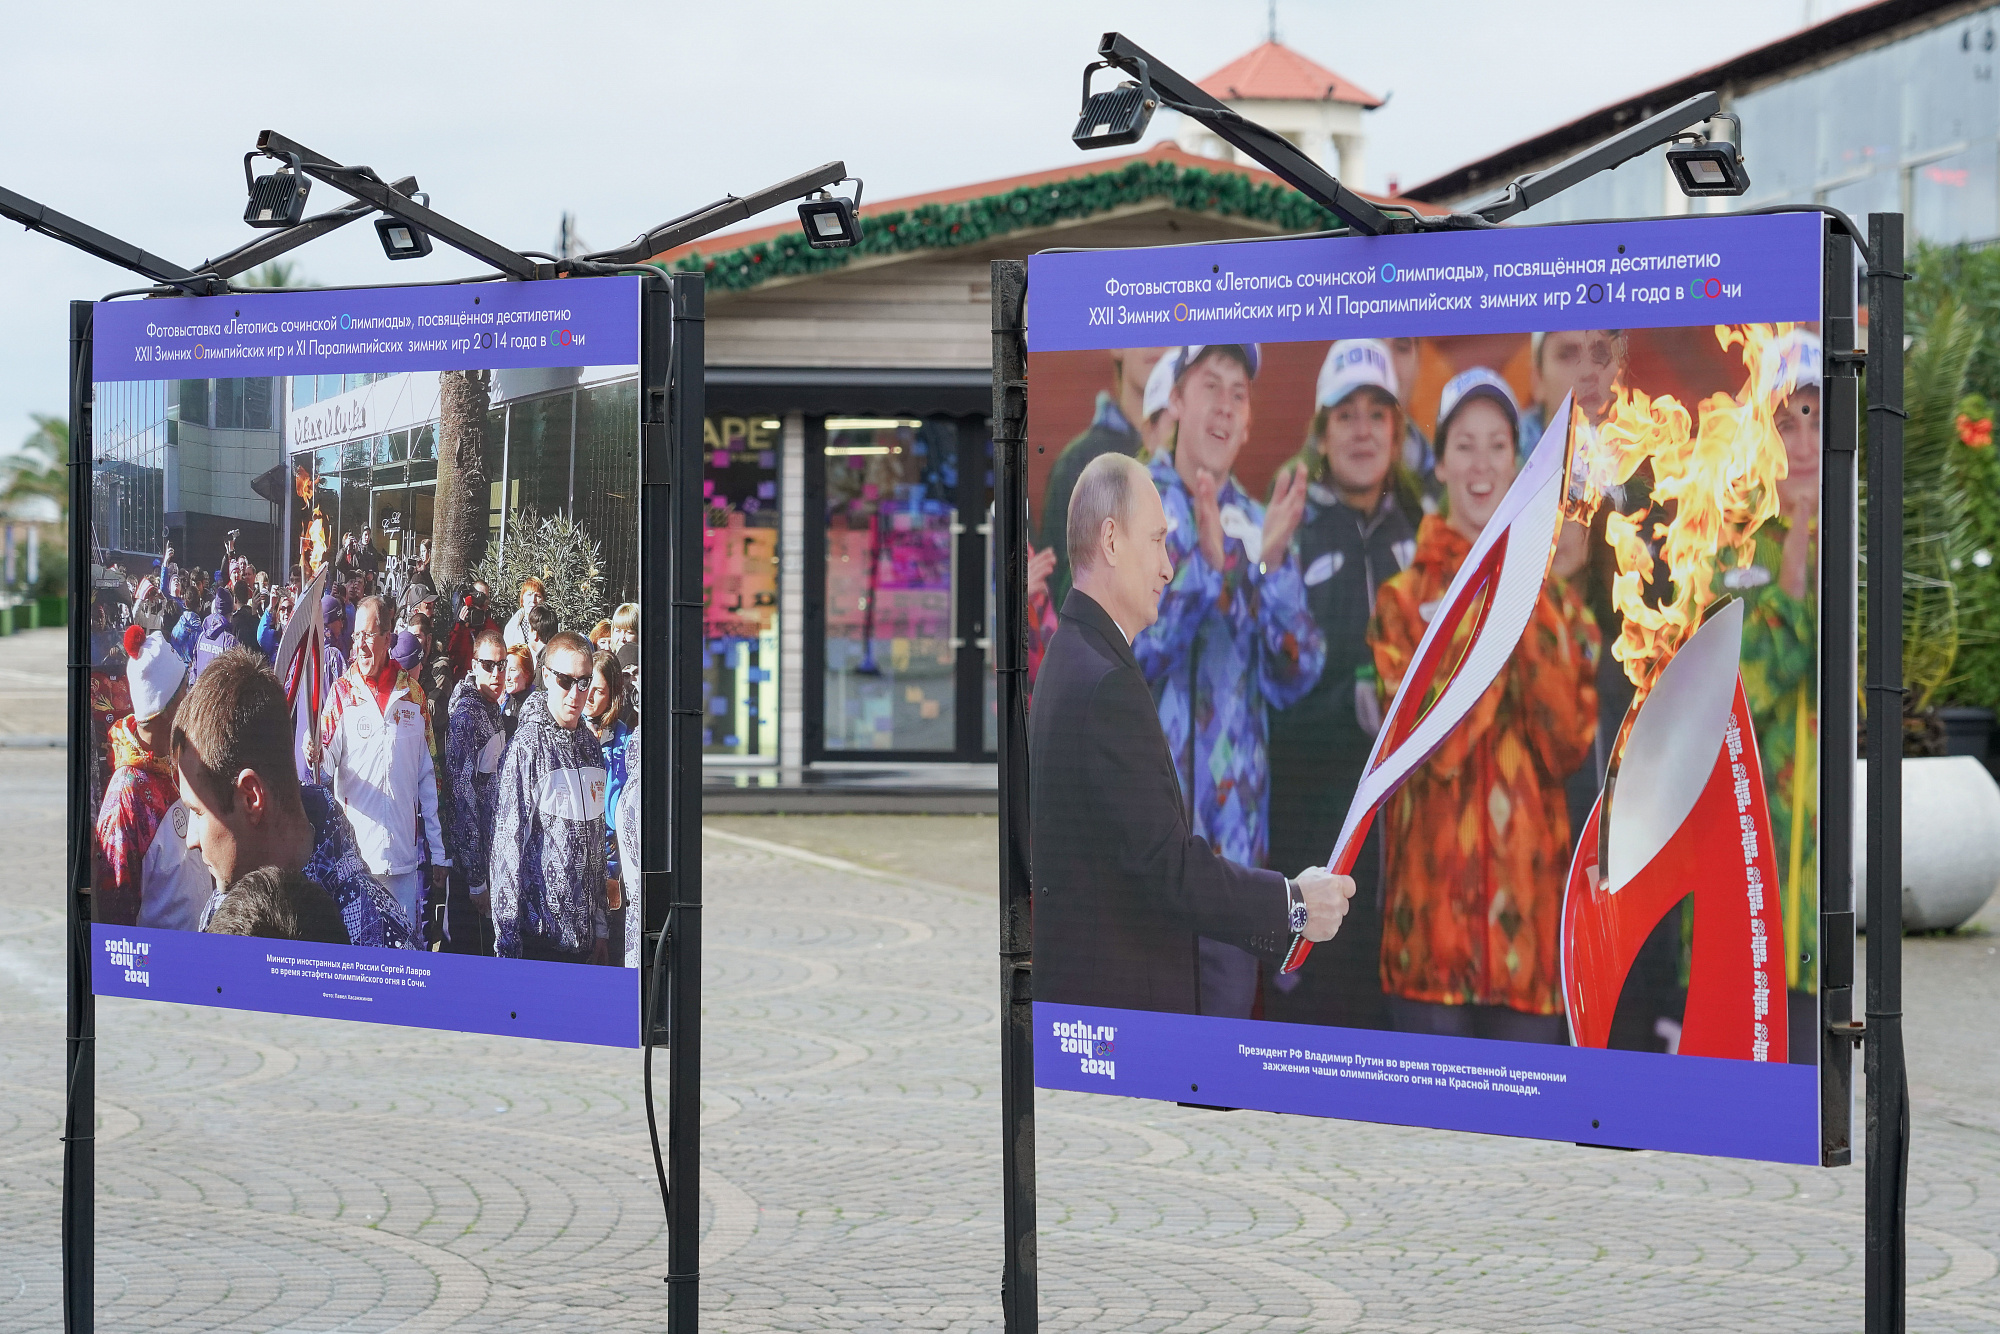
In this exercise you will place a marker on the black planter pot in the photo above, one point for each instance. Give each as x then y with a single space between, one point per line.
1969 731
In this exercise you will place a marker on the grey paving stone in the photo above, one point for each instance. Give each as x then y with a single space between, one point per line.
263 1173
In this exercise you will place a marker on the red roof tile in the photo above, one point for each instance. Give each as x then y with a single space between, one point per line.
1277 73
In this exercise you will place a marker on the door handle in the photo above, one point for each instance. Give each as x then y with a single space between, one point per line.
954 640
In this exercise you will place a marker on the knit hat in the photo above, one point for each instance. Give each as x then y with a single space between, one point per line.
153 670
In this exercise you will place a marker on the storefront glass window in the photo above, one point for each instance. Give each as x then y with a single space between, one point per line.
539 435
890 491
607 482
1953 199
740 586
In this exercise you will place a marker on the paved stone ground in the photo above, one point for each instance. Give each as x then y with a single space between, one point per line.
269 1173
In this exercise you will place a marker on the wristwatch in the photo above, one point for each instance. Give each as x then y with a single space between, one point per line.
1296 913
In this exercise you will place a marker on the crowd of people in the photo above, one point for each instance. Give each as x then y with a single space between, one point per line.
460 786
1290 619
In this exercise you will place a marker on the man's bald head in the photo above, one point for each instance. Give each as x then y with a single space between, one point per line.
1103 491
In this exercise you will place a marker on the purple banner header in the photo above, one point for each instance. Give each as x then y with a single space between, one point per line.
523 998
1620 275
491 326
1621 1099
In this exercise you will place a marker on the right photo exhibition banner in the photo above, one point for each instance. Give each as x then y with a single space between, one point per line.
1483 569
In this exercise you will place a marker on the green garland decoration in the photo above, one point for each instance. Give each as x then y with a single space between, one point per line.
943 226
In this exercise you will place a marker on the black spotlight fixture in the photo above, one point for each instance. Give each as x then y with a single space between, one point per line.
1711 165
401 239
1120 116
277 199
832 222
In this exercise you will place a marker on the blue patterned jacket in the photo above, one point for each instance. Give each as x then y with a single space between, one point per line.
474 746
547 872
1230 645
370 912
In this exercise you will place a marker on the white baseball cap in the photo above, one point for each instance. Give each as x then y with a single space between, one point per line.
1351 364
1479 382
1185 358
1795 355
1160 384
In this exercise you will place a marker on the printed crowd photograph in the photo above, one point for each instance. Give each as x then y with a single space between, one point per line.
364 660
1236 554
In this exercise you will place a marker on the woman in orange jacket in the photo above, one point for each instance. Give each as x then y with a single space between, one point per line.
1478 840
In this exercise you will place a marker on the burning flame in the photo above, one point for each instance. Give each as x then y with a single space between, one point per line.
1715 478
304 484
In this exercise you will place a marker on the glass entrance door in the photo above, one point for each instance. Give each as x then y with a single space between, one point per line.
902 583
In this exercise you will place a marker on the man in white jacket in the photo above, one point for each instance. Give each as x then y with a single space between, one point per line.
375 750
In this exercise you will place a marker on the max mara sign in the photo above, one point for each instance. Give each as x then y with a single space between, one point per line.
394 403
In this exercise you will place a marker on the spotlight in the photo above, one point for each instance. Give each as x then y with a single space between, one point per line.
401 239
276 200
1116 117
832 222
1710 166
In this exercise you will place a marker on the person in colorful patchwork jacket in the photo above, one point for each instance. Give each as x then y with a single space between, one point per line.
232 749
548 883
146 875
375 750
475 742
1234 636
1477 840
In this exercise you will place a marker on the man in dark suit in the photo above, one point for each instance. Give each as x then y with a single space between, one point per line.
1123 885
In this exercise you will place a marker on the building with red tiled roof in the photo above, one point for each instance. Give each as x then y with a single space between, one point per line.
848 393
1308 103
1276 73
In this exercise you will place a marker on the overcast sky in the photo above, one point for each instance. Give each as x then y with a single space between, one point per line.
135 117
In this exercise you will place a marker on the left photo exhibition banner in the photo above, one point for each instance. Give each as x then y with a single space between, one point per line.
364 664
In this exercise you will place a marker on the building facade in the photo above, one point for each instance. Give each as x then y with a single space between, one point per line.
850 476
1890 107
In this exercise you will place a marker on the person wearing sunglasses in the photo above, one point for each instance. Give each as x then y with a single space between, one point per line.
548 874
475 742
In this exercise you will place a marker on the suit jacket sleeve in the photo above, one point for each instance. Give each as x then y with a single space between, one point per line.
1213 895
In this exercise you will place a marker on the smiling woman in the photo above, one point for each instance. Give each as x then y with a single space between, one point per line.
1478 838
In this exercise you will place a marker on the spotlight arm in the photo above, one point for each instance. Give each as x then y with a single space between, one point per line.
363 184
272 244
41 218
1528 191
1271 149
713 217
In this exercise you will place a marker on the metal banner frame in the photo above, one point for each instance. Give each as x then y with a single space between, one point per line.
670 554
1887 1110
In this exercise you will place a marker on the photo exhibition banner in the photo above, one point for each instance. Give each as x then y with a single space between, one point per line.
1482 569
363 655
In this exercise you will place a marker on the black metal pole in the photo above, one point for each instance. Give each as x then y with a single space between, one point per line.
1838 543
1888 1115
685 406
79 1183
1019 1298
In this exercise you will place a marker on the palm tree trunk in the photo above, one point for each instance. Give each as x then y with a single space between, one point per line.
458 528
